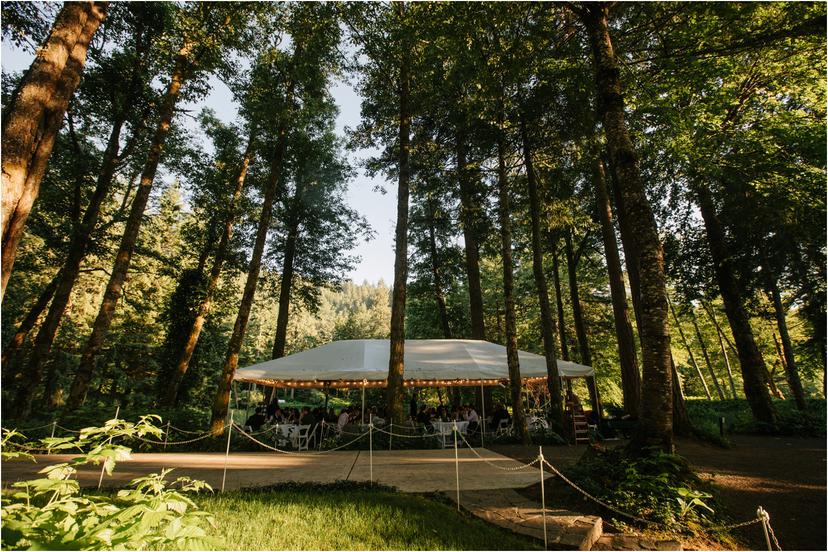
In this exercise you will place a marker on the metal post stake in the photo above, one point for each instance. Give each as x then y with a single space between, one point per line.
166 435
371 451
54 425
390 434
543 498
483 417
227 452
456 466
763 515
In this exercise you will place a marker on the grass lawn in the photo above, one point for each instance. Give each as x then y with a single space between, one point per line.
352 517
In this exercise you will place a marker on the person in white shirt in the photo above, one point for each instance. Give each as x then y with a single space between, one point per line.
342 421
472 417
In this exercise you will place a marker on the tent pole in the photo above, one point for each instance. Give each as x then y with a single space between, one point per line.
483 418
362 419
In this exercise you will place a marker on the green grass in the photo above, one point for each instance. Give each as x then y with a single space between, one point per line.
349 517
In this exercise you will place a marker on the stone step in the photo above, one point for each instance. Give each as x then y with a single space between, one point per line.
505 507
623 541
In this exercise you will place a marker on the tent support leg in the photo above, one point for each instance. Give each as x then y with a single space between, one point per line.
483 417
362 419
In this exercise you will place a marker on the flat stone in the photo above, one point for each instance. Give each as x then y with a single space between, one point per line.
624 541
565 530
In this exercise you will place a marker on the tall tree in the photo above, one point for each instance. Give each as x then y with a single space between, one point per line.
655 425
32 121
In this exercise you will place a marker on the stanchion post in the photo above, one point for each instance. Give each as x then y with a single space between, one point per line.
371 452
390 434
456 466
763 515
227 452
166 435
54 425
483 417
543 498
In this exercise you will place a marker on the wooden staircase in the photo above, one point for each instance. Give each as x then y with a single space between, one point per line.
580 428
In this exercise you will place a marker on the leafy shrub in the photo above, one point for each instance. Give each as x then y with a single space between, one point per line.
654 486
738 418
51 513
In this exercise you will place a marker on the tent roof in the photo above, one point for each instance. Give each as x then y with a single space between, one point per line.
356 362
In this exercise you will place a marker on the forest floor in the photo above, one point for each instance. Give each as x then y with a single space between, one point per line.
785 475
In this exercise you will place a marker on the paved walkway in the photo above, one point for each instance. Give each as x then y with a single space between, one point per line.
410 471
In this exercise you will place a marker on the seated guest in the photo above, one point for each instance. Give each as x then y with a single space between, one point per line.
442 414
272 408
343 419
499 414
307 417
472 417
257 420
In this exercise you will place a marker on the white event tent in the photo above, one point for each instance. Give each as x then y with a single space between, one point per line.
361 363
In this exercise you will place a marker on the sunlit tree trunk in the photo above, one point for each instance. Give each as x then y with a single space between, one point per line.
707 362
721 336
396 361
690 353
32 120
114 288
787 348
504 211
204 306
655 425
553 380
221 401
630 378
556 276
750 357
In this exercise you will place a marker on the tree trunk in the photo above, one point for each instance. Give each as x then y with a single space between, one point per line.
790 362
436 269
396 362
690 353
578 320
13 347
470 218
655 427
556 275
705 355
515 383
681 421
287 281
33 119
203 310
68 275
553 379
114 288
221 401
720 335
750 357
630 378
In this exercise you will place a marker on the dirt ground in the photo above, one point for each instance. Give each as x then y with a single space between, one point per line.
785 475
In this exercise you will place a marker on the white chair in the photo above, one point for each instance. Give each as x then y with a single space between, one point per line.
301 437
503 428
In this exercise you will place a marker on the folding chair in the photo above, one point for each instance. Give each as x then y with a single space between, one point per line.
301 437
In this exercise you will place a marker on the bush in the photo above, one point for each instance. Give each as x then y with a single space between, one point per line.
738 418
51 513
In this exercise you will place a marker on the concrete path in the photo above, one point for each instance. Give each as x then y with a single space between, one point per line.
409 471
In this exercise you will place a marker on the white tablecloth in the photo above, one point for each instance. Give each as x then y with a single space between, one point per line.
447 427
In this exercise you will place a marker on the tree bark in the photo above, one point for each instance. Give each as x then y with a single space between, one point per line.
705 355
504 211
470 218
436 269
221 401
790 362
553 379
720 335
556 275
396 361
630 377
13 347
750 357
114 288
34 117
206 303
578 320
690 354
287 280
69 274
655 426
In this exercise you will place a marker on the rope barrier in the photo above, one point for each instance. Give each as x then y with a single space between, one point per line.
360 436
21 430
67 429
184 431
512 469
772 534
154 442
404 436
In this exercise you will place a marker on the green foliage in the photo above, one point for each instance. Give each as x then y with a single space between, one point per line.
654 486
51 513
738 419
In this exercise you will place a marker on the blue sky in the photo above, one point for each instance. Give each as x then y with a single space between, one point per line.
380 210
